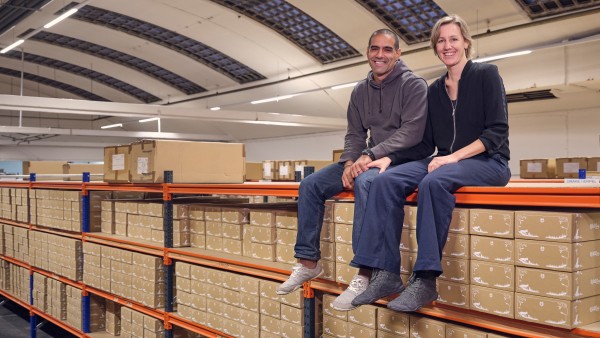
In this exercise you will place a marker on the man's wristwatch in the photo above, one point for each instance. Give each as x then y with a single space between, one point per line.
369 153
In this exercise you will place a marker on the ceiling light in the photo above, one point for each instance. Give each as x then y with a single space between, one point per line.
61 18
278 98
15 44
352 84
112 126
215 108
274 123
502 56
150 119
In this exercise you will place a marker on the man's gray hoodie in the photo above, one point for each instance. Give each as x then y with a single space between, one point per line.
392 114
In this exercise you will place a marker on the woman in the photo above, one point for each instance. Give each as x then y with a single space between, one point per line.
468 124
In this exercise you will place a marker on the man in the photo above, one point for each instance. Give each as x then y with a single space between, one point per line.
387 113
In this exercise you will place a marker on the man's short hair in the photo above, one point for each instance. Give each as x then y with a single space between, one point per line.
389 32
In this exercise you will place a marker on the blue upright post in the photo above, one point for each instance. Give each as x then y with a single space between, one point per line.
168 264
32 317
85 307
85 205
85 227
309 312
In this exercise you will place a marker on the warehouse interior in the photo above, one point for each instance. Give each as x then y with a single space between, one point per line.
264 86
117 62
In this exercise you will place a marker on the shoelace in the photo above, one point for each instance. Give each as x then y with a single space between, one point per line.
414 290
356 285
296 270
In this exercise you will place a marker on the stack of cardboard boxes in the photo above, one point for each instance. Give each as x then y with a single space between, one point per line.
565 167
146 161
238 305
124 273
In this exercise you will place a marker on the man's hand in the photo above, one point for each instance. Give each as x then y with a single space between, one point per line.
347 178
382 163
360 166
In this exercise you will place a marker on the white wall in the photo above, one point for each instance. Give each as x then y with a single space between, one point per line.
571 133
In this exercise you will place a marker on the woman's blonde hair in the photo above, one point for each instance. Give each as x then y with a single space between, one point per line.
464 30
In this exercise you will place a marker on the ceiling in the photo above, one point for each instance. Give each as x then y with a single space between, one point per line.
117 61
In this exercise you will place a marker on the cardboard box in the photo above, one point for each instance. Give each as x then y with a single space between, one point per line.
493 301
43 167
493 275
557 226
343 252
557 256
538 168
343 233
454 294
593 164
393 322
495 223
344 273
568 167
335 327
493 249
454 270
457 246
557 284
426 327
80 168
365 315
557 312
460 221
337 154
410 217
328 309
408 240
343 213
150 158
457 331
254 171
116 163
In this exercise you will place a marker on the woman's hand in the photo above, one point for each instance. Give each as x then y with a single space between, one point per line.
437 162
382 163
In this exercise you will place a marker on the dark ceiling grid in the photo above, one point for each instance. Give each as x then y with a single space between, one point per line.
126 60
412 20
88 73
53 83
307 33
14 11
545 8
191 48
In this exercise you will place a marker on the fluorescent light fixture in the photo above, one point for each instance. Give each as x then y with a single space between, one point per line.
275 123
15 44
61 18
278 98
150 119
346 85
112 126
215 108
502 56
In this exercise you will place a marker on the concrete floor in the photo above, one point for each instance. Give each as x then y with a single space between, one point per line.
14 323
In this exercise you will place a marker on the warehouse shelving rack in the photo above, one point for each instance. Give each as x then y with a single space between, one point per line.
519 193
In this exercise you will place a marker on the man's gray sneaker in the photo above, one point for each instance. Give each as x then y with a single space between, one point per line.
420 291
357 286
300 275
383 283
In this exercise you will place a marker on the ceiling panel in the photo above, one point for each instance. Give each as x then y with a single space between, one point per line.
564 43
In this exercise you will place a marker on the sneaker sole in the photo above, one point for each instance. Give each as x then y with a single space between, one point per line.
343 309
281 293
392 307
